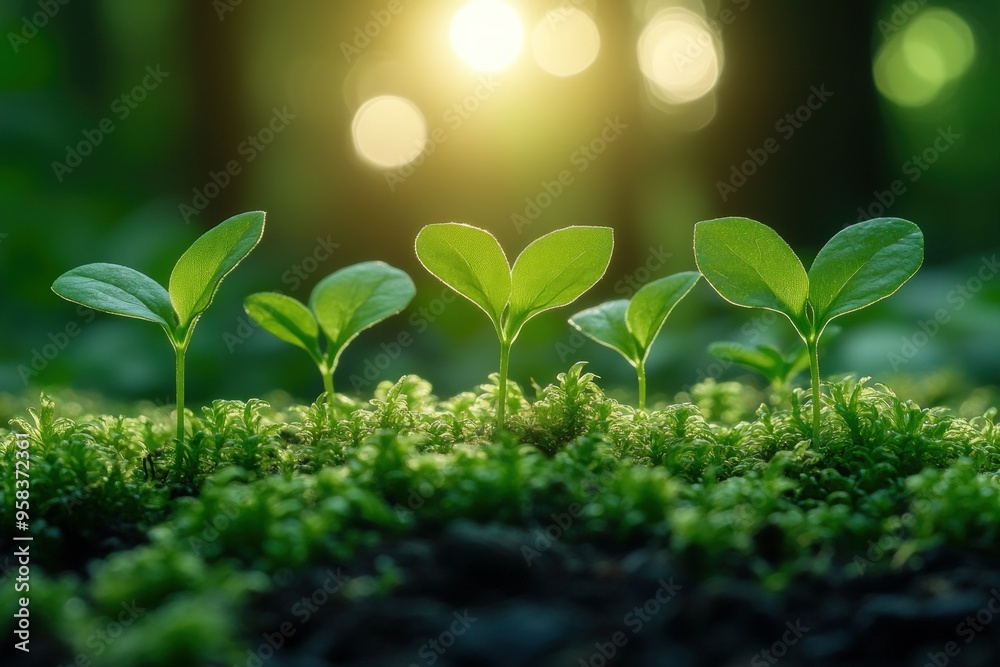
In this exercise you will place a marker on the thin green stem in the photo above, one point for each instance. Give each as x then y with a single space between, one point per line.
812 344
180 351
640 371
502 398
328 386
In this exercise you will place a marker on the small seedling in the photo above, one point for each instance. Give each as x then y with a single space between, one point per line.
779 368
342 305
195 279
776 366
630 326
551 272
749 265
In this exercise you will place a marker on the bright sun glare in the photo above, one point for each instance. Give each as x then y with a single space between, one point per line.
487 34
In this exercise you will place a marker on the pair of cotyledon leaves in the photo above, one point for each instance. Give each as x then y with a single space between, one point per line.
342 305
552 271
194 281
750 265
630 326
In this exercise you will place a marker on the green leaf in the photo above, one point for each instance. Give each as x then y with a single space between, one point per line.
862 264
653 303
200 270
749 265
470 261
768 365
606 325
555 270
354 298
286 318
118 290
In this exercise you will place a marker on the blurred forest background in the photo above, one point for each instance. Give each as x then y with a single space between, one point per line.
128 127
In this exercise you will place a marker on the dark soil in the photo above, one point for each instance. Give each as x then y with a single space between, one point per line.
469 598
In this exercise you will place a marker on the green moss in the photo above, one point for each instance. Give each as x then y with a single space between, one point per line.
260 492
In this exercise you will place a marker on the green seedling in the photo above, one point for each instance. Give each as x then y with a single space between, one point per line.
630 326
776 366
749 265
553 271
195 279
342 305
779 368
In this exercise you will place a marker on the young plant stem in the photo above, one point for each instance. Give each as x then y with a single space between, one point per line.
812 344
502 398
180 351
640 371
328 386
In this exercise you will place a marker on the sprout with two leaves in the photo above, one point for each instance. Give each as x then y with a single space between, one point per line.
553 271
195 279
629 327
341 306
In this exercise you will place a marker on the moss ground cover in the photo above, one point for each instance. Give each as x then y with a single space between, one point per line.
191 551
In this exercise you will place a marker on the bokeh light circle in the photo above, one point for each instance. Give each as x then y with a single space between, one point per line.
566 41
679 56
487 34
921 58
389 132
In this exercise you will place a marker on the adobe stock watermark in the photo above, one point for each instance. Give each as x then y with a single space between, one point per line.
901 14
545 537
579 162
773 654
626 287
33 23
912 169
696 47
225 7
366 35
59 340
101 639
454 118
786 127
248 151
564 11
303 611
418 322
432 650
890 541
727 15
634 621
415 501
751 332
121 108
967 630
957 298
223 518
294 277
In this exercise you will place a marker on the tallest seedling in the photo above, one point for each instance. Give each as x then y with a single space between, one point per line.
749 265
196 277
551 272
